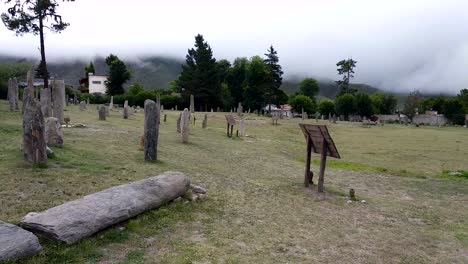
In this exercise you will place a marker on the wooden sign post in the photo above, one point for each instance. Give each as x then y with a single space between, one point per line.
231 122
319 141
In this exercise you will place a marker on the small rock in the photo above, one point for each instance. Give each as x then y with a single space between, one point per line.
363 201
122 228
349 201
50 152
197 189
455 173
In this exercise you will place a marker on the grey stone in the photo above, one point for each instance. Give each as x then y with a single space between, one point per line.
78 219
240 109
34 143
192 104
152 116
125 112
111 104
197 189
53 132
82 105
59 99
242 127
185 125
205 121
16 243
102 113
13 94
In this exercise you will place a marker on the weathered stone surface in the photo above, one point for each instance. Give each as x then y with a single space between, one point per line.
28 91
240 109
151 135
34 143
111 104
205 121
78 219
197 189
178 123
13 94
242 127
185 125
46 102
125 112
102 113
59 99
53 132
82 105
192 104
16 243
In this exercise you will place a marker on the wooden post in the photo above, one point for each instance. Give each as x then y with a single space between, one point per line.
323 162
308 157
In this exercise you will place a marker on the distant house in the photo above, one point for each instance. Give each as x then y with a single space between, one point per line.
97 83
283 110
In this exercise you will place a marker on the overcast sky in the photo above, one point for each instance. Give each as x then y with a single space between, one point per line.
400 45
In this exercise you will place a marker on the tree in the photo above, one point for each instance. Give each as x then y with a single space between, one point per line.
257 84
453 110
463 98
200 75
384 104
32 16
118 75
237 79
89 69
345 105
276 74
363 105
135 88
300 102
326 107
309 87
346 68
433 104
412 104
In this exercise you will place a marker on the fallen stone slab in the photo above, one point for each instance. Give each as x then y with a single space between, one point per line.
78 219
16 243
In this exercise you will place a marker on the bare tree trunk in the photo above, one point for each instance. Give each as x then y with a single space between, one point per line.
43 57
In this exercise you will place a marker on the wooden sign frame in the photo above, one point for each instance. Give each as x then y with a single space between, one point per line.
319 141
231 122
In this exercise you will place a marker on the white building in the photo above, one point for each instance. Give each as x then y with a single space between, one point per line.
97 83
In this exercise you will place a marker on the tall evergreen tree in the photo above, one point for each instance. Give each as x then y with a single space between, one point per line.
200 76
346 68
32 16
118 75
237 79
258 84
276 74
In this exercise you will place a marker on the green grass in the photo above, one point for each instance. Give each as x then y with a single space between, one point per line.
257 210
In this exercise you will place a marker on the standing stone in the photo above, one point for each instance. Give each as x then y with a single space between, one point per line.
242 127
329 117
304 116
151 130
111 104
218 109
67 99
192 104
102 113
158 101
16 243
185 125
59 99
34 141
82 105
53 132
176 107
240 109
162 108
74 98
13 94
165 117
211 110
178 123
87 101
205 121
334 119
106 110
28 91
125 112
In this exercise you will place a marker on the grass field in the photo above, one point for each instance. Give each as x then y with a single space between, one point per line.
257 210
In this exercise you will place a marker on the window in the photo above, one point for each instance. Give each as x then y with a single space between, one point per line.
96 82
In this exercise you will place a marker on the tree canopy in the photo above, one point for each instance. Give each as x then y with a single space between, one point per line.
346 69
118 75
309 87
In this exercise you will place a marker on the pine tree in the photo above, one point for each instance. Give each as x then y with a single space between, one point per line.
276 74
32 16
346 68
200 76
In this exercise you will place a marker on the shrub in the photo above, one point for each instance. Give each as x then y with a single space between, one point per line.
300 102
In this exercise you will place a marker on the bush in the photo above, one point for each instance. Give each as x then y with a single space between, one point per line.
345 105
300 102
326 107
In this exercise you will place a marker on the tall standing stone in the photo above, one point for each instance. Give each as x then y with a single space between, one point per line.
13 94
34 143
178 123
67 99
59 99
242 127
74 99
151 130
192 104
158 101
125 112
28 91
82 105
240 109
102 113
205 121
87 101
185 125
111 104
53 132
329 117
